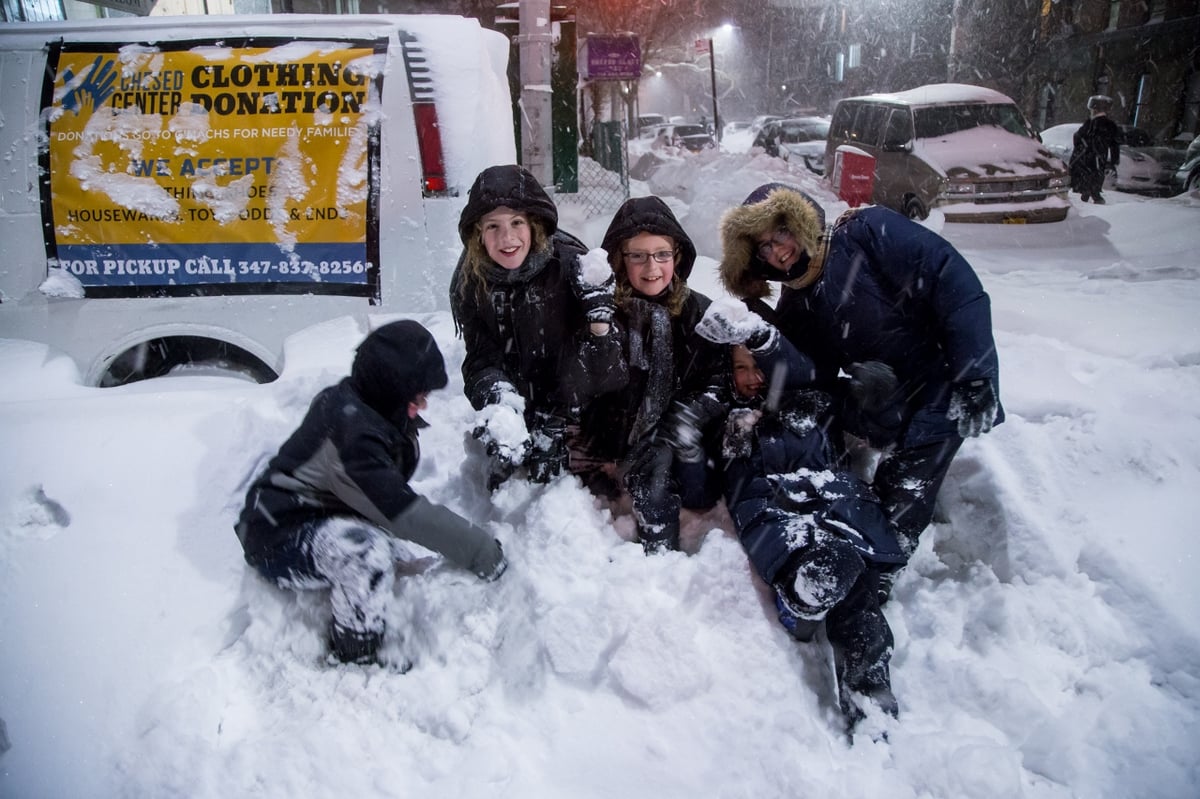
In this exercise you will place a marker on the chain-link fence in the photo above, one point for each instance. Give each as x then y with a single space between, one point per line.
603 172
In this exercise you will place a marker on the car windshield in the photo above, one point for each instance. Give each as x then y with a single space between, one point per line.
942 120
796 132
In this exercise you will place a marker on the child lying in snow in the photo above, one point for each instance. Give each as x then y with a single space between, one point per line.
813 530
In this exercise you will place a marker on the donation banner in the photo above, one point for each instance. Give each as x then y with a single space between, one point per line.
214 168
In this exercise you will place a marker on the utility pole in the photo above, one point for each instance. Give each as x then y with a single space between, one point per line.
535 41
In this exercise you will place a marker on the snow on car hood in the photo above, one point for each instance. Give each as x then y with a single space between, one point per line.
987 152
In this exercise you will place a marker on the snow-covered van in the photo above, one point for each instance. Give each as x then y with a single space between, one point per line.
964 150
193 190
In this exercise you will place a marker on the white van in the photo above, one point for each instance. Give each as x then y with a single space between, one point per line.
183 190
964 150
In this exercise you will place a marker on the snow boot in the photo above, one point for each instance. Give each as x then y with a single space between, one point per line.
802 629
657 538
351 646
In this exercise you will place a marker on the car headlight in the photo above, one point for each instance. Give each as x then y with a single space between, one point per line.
1060 182
961 188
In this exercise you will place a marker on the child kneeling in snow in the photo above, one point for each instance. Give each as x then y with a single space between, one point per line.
321 514
813 530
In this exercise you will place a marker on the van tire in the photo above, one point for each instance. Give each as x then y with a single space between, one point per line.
183 354
915 209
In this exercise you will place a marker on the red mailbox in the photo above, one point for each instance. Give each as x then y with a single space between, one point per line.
853 175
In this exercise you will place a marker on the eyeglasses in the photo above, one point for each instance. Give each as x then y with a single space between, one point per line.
781 236
639 258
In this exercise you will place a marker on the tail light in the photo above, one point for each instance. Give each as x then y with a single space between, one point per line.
429 140
429 133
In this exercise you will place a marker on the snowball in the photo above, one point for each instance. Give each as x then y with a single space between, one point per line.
594 268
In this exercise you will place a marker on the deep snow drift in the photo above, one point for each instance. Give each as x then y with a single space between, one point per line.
1047 640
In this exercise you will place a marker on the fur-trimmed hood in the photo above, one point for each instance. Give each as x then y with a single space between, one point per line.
768 207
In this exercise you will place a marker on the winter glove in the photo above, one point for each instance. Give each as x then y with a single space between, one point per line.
731 322
974 405
739 431
681 429
548 453
505 439
593 281
872 384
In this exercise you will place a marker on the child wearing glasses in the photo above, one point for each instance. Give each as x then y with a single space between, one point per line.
876 287
673 374
535 322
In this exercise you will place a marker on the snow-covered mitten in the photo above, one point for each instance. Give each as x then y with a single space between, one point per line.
731 322
501 430
547 456
973 403
872 384
593 280
739 430
681 428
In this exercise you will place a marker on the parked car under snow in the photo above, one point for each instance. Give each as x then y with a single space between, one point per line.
800 139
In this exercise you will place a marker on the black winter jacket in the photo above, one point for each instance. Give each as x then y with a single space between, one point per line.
532 337
667 362
353 456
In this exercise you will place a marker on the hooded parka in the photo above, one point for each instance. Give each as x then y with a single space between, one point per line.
875 286
525 329
353 456
666 362
878 287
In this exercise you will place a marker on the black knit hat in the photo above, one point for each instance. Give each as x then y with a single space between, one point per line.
650 215
394 364
512 187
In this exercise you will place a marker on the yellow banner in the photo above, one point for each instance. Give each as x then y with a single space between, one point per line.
253 160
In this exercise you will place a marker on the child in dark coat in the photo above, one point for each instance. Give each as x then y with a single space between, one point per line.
322 513
670 370
536 330
812 529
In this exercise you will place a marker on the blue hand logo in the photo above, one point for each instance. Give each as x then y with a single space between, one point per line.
93 90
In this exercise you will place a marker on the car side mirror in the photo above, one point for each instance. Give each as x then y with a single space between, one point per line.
896 146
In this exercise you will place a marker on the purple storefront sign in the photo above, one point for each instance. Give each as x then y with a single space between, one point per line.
613 58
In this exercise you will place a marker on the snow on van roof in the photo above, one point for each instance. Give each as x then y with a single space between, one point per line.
940 94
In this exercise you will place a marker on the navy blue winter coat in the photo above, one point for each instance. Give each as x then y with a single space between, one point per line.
786 485
887 290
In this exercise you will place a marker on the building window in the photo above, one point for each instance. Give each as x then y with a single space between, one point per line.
1143 98
33 10
854 57
1114 14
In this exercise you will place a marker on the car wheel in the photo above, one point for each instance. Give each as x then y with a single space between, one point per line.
915 209
1193 182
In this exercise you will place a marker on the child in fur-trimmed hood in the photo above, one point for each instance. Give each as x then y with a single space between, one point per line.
875 286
